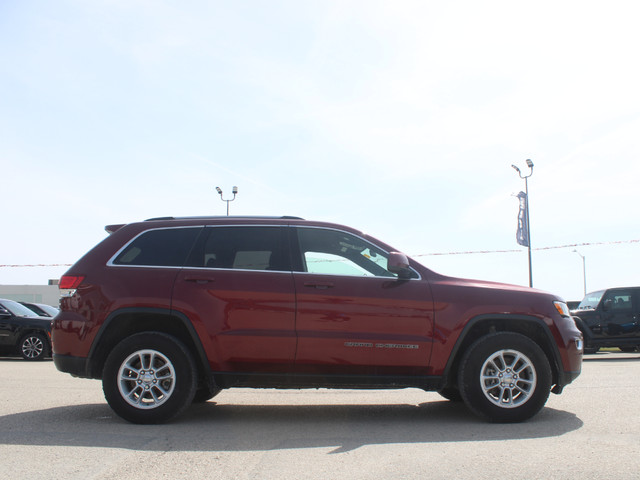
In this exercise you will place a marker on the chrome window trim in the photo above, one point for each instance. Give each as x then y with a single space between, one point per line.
289 272
113 257
111 264
389 279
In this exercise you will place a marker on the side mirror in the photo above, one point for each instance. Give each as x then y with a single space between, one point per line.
398 263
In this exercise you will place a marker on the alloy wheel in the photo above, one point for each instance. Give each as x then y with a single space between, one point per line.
508 378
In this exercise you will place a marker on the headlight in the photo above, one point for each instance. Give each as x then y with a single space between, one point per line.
562 309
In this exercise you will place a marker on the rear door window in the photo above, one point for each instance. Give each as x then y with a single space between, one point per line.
242 248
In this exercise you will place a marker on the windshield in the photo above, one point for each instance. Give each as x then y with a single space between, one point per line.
591 301
17 309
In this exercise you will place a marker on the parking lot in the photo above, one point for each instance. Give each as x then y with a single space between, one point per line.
55 426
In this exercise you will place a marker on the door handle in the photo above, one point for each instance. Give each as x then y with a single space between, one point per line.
319 285
200 280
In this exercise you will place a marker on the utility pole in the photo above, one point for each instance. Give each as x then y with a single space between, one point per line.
584 270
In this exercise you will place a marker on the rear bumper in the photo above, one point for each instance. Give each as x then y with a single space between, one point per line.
76 366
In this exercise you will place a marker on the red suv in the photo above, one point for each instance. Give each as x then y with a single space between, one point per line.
172 310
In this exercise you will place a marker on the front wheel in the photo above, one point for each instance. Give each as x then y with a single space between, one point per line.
505 377
149 377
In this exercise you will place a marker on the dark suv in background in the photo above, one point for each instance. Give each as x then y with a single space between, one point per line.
172 310
610 318
23 332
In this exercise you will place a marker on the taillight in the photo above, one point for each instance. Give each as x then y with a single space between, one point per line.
70 282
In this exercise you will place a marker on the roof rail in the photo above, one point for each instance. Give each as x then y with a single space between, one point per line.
212 217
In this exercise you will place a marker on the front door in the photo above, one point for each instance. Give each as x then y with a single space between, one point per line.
353 315
619 314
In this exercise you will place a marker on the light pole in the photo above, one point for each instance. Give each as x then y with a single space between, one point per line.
584 270
234 191
526 208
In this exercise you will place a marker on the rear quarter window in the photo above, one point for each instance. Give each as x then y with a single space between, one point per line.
167 247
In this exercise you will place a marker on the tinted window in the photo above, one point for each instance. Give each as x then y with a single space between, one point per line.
244 248
338 253
619 300
165 247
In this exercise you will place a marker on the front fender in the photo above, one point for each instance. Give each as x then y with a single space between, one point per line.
582 326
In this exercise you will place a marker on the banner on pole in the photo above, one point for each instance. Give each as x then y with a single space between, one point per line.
522 235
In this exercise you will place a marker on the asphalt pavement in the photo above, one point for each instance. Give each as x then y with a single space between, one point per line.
56 426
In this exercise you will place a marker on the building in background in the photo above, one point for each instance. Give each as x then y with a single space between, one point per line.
47 294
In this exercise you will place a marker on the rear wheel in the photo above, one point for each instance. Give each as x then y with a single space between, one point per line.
149 377
505 377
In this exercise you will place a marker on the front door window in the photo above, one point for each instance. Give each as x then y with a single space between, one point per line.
334 252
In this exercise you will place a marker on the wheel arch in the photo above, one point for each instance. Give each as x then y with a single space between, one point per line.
582 326
31 330
482 325
123 323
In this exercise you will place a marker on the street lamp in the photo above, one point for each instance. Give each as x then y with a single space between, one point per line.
584 270
234 191
526 208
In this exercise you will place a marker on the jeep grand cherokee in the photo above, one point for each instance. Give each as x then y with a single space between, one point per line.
172 310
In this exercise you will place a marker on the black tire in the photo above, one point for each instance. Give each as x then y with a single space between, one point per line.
33 346
149 377
590 350
206 393
505 377
628 349
451 393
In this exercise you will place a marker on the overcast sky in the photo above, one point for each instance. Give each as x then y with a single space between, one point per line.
400 118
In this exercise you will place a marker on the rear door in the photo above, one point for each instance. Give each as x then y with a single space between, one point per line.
237 289
353 315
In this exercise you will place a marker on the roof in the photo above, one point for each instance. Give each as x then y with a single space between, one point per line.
115 227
